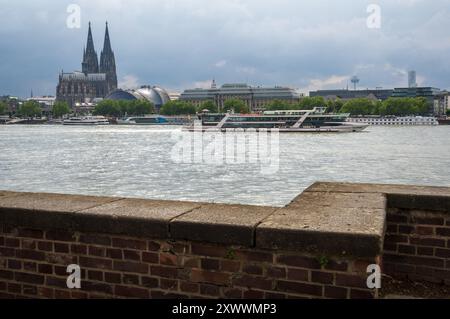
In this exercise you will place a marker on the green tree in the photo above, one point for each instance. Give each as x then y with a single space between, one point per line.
139 107
279 105
237 105
405 106
448 112
2 108
334 106
308 103
178 108
60 109
208 105
360 106
30 109
109 108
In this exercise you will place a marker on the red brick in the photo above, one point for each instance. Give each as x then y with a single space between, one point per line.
252 270
361 294
189 287
425 261
276 272
161 271
441 274
190 262
208 250
128 266
168 284
406 249
95 263
396 239
153 246
30 233
5 274
230 265
444 253
253 294
150 282
14 288
29 290
427 242
232 293
78 249
55 282
273 296
62 294
31 254
30 266
252 282
78 295
95 275
401 268
335 292
7 252
151 258
390 247
60 235
97 251
113 278
297 274
129 243
298 261
425 251
299 288
96 287
45 292
322 277
351 281
406 230
95 240
61 248
114 253
424 231
248 255
45 269
392 229
203 276
396 218
29 278
429 220
12 242
130 280
336 265
168 259
210 264
443 232
14 264
131 292
131 255
209 290
45 246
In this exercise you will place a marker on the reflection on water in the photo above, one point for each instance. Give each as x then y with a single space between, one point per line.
136 162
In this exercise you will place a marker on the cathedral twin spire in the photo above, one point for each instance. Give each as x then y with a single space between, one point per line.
107 60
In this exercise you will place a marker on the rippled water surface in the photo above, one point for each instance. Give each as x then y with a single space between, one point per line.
136 162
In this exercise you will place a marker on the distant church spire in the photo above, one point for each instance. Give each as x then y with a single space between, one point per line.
108 62
90 59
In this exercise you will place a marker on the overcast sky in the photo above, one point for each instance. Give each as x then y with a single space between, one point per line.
178 44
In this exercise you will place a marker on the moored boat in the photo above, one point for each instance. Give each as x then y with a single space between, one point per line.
86 121
285 121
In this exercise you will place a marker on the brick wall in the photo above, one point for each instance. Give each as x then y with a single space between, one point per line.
33 264
417 245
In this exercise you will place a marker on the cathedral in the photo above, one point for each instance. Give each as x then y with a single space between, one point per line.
95 80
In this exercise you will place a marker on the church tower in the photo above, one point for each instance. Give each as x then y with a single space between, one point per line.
90 58
108 62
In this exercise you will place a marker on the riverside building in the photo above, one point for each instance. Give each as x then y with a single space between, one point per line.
256 98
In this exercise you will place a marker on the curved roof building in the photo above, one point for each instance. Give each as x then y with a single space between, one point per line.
154 94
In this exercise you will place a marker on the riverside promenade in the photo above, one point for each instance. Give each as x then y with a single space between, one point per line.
318 246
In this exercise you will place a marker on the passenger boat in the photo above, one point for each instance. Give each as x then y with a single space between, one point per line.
87 120
285 121
143 120
395 121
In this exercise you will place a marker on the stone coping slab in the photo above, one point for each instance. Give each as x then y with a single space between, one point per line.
224 224
328 218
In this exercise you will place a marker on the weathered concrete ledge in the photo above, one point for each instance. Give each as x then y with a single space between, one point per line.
328 218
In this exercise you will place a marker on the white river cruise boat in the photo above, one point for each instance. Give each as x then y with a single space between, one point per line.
285 121
395 121
87 120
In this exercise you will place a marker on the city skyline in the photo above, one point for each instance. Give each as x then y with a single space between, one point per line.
306 46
